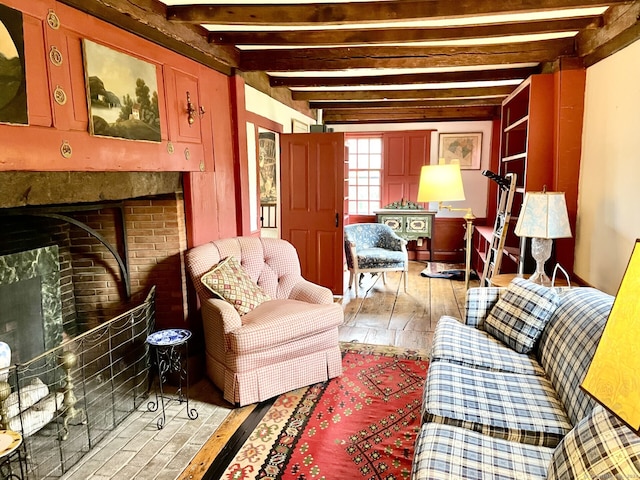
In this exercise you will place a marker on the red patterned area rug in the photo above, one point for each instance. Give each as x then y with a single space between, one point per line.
362 424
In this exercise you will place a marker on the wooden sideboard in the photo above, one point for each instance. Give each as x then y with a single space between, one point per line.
409 221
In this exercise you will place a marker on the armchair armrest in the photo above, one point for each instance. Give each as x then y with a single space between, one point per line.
478 303
309 292
350 252
391 241
220 314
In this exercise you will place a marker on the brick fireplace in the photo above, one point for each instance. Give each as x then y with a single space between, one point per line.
139 215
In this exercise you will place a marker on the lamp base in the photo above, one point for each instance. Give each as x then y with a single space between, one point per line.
541 251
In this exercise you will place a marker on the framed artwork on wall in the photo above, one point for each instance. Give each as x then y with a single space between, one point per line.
122 93
464 147
267 163
13 84
298 126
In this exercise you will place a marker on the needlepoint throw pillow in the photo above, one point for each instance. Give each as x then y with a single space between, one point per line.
519 316
228 281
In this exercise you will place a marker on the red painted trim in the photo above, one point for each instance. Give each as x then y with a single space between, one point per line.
241 160
37 148
264 122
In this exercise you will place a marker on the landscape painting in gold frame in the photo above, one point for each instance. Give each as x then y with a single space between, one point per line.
122 93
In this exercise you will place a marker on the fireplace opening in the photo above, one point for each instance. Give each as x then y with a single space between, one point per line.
147 233
22 301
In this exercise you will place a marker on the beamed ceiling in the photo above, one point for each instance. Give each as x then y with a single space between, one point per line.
383 61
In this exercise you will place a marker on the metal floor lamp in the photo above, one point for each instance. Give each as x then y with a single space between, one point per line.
443 183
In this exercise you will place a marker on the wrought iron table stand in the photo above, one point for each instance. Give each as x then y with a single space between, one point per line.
172 356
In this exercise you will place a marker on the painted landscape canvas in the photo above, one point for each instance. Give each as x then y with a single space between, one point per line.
13 84
123 94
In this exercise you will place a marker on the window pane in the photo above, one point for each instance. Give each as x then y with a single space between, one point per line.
375 161
363 146
365 174
363 162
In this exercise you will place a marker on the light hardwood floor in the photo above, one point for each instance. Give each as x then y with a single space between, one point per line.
380 314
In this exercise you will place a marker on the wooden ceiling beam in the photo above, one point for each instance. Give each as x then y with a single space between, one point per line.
149 21
426 102
406 79
398 35
327 59
361 12
387 115
621 27
343 95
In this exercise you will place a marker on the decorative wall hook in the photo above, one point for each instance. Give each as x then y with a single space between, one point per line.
191 110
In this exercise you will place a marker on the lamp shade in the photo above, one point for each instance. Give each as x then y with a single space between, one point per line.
543 215
440 183
613 377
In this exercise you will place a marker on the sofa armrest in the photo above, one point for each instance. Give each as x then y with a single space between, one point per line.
478 303
306 291
221 313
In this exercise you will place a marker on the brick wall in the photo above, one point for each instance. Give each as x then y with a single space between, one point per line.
155 240
92 285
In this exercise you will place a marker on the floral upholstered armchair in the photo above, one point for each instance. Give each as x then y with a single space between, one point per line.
374 248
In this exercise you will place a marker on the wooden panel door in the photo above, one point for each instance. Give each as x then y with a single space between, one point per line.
312 204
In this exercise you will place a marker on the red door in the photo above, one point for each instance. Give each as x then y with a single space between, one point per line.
312 204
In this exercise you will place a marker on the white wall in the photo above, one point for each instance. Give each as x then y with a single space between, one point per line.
475 184
262 104
608 219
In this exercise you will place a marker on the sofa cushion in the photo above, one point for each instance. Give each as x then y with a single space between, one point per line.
523 408
455 342
600 446
568 344
520 315
230 282
279 322
375 257
444 452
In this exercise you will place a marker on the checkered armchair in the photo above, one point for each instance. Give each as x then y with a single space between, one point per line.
284 343
374 248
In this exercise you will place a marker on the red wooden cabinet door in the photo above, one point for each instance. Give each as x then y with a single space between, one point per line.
312 204
404 155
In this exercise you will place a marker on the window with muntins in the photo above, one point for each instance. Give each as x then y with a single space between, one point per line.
365 174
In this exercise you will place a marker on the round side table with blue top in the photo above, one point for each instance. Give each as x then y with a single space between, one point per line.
172 356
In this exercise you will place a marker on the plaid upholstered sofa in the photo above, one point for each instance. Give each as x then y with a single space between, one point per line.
282 338
491 412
